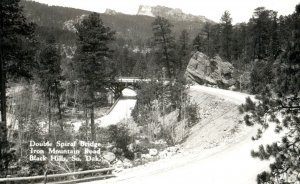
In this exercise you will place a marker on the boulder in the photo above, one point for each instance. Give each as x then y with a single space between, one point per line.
127 163
109 156
165 154
119 167
173 149
160 142
146 156
118 164
213 71
153 152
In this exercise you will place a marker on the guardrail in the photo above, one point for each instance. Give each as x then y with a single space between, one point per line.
100 174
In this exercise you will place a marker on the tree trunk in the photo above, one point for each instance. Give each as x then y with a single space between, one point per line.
59 108
75 97
208 44
3 125
165 51
165 47
49 109
86 123
93 123
92 97
168 63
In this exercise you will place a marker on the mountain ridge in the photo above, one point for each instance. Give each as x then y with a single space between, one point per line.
136 28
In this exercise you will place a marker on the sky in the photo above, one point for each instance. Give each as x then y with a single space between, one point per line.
240 10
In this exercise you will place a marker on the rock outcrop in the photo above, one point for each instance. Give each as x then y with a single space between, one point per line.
70 24
204 70
111 12
170 13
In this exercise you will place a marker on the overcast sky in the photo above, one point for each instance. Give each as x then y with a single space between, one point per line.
241 10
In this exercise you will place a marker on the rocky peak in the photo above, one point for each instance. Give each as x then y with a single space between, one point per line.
169 13
145 10
110 12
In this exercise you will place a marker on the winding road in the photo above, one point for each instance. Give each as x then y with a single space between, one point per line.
229 164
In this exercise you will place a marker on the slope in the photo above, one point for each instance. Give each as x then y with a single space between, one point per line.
228 161
136 28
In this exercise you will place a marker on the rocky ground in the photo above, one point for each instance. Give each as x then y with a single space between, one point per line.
219 115
217 150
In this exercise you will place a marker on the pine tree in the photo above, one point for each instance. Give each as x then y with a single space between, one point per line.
274 42
198 43
164 39
93 65
184 50
215 43
126 62
226 35
261 28
261 75
207 34
49 75
239 42
17 60
280 103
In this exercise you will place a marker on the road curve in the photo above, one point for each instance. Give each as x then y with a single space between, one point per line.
231 164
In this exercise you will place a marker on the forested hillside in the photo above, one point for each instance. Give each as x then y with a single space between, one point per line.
133 44
129 27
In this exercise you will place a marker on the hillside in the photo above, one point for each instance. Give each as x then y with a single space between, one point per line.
136 28
217 151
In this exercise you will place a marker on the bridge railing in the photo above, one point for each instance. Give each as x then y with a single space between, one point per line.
60 178
132 79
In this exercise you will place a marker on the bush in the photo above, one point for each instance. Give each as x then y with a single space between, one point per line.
119 135
192 114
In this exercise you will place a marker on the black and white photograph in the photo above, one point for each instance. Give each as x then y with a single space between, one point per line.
150 91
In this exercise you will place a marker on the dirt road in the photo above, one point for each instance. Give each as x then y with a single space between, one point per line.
227 164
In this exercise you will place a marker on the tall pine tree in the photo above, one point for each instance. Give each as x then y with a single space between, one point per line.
17 60
261 25
93 65
164 39
49 75
198 43
226 35
279 103
183 51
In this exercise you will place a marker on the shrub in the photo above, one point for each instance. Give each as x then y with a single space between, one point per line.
119 135
192 114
